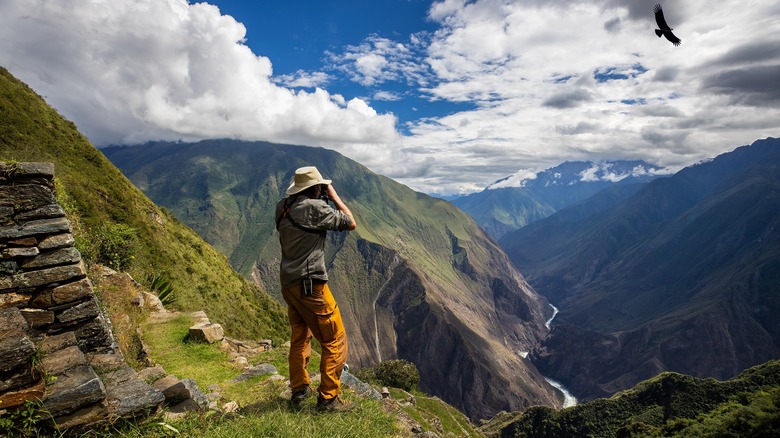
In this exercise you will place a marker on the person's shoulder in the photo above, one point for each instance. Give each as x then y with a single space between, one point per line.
314 202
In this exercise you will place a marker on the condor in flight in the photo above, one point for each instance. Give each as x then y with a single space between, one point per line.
664 30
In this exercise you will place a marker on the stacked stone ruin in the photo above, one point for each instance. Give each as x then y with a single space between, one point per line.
55 344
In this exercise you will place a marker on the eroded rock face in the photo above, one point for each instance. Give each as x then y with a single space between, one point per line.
54 343
462 336
469 369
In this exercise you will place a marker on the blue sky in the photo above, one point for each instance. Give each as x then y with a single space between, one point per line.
302 37
444 96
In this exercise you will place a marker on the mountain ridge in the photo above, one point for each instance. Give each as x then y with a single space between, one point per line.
663 279
669 404
509 204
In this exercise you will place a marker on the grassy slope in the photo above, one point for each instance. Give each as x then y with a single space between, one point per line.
96 193
670 404
264 409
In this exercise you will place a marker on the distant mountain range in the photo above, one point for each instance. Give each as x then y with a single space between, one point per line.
418 279
512 203
682 275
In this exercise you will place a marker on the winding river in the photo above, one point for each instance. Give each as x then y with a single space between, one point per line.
568 399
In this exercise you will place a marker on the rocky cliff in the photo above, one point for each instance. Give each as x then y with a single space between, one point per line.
55 343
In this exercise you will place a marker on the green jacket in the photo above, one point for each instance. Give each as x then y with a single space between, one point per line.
303 245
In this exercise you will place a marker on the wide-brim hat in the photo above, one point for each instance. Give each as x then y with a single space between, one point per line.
306 177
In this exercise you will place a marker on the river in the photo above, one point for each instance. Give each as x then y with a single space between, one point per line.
568 399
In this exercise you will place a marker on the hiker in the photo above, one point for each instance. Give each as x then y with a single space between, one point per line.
302 219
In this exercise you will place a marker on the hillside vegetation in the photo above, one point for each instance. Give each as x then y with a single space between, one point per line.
116 224
669 405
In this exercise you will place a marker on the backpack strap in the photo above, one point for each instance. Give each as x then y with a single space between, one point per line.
285 215
285 210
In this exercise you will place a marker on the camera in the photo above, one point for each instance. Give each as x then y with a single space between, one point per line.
324 194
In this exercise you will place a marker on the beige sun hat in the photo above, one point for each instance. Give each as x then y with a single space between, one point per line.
306 177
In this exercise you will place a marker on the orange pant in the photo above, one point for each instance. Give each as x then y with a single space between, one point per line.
316 314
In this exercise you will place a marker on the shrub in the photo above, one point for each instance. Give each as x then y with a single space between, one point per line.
398 373
116 245
366 374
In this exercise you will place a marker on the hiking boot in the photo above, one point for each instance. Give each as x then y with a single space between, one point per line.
335 404
299 396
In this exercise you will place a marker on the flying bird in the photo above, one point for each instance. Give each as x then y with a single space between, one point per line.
664 30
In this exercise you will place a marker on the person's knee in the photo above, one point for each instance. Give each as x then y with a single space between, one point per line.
337 346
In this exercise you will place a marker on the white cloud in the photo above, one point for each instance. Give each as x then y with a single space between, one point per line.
131 71
303 79
545 81
389 96
603 171
535 73
517 179
378 60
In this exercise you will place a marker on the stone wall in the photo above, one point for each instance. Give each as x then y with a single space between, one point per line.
55 345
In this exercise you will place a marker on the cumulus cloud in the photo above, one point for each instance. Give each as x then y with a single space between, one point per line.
377 60
536 83
131 71
557 81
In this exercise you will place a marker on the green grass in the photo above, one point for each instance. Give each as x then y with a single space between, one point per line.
273 419
204 363
451 419
264 400
264 412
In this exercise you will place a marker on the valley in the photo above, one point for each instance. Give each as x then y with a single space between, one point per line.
575 257
671 278
678 274
569 400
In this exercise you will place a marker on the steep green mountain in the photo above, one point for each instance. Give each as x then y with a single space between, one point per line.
418 280
116 223
669 405
683 276
502 210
